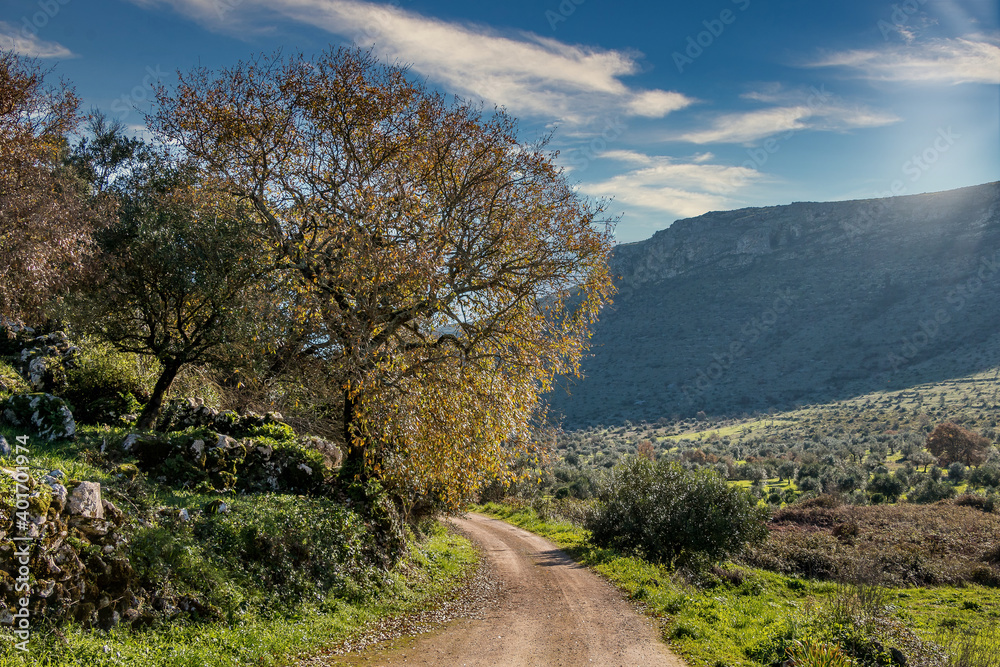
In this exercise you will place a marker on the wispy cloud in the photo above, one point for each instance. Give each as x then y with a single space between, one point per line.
27 44
526 73
750 126
953 61
667 185
815 109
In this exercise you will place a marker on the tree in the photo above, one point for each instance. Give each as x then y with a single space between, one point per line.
179 273
448 271
890 486
787 470
922 458
951 443
45 220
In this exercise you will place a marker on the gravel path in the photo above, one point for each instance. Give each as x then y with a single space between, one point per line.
530 604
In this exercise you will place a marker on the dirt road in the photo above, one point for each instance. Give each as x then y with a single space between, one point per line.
551 611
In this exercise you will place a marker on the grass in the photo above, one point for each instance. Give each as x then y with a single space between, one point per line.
741 617
434 568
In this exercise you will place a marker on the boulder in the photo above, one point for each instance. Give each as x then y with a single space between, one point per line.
86 501
47 414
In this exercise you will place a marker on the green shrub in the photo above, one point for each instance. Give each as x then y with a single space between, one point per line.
674 516
11 381
279 431
931 491
105 385
293 547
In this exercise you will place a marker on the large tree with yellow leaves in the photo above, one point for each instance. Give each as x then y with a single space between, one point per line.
447 269
46 220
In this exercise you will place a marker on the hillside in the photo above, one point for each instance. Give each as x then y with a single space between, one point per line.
769 308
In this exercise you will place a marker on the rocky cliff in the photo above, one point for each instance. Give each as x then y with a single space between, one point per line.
768 307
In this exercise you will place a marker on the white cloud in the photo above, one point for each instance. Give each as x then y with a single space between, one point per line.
792 110
526 73
960 60
750 126
657 103
28 44
665 185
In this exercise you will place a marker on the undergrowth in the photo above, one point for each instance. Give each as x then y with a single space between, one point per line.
259 636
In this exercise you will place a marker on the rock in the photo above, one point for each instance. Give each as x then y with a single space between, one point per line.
183 515
4 446
216 507
332 456
44 588
129 441
198 446
112 513
307 469
49 415
59 493
86 501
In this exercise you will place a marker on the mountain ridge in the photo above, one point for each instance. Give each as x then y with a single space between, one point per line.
764 308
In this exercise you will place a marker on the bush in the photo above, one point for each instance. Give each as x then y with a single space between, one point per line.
985 476
930 491
105 385
293 547
890 487
817 654
11 381
674 516
981 503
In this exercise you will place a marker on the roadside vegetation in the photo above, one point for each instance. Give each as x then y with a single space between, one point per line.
737 615
267 579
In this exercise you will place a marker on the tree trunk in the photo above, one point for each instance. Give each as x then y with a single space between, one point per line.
152 410
354 457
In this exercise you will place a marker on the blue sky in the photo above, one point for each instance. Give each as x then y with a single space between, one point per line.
670 109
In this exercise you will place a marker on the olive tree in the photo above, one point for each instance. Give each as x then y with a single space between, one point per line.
180 273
